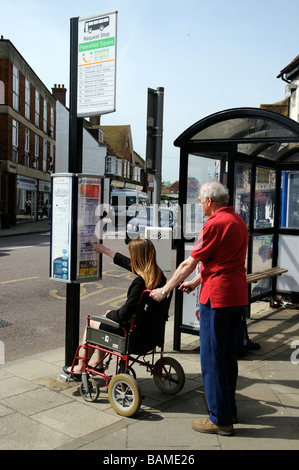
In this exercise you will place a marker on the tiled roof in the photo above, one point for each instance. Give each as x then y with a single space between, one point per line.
117 137
281 107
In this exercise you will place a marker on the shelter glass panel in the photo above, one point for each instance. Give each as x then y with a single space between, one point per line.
294 157
288 258
244 128
242 191
200 170
290 199
264 197
261 260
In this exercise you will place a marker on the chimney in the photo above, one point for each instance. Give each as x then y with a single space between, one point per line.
95 120
59 93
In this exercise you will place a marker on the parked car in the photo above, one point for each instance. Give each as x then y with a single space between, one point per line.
126 203
144 218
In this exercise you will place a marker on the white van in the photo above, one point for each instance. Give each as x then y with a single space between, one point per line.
125 203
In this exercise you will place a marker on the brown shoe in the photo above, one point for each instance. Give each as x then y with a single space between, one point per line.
206 425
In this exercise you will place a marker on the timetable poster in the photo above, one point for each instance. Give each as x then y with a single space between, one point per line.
61 228
191 301
89 198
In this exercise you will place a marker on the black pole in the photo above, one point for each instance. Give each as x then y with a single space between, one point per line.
74 166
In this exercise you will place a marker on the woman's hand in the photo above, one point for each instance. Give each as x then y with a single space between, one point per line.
100 248
157 295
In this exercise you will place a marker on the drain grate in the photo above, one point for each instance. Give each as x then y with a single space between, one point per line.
4 323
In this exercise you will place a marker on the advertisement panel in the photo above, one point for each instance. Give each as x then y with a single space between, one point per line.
97 37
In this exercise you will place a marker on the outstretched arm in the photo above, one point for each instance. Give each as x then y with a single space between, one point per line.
99 248
181 273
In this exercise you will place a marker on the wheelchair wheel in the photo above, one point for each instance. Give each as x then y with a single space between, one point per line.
130 371
93 390
169 376
124 395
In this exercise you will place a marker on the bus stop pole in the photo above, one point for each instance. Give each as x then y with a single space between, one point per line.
74 166
158 154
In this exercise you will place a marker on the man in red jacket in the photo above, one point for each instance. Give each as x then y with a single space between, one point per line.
221 248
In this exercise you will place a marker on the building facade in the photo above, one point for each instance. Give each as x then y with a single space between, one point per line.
125 168
27 139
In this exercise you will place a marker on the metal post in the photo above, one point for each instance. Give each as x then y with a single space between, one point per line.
158 154
74 166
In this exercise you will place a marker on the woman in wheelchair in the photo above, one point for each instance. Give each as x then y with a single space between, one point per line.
143 263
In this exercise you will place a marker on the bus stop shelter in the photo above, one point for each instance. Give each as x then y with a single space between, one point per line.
255 153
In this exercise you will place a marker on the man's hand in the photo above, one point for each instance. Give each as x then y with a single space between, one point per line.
186 286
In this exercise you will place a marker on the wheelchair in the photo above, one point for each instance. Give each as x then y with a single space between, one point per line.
137 345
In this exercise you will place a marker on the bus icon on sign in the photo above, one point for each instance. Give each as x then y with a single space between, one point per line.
99 23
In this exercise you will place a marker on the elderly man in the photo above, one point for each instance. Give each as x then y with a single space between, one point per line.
221 248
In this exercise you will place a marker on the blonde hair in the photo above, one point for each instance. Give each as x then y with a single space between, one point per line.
144 263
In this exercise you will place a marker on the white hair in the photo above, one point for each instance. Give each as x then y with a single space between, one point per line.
216 191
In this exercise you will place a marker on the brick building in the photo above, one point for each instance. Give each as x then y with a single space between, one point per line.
27 138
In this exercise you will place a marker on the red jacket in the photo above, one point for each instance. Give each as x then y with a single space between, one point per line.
221 247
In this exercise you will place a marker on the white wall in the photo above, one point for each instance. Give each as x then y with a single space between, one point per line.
93 157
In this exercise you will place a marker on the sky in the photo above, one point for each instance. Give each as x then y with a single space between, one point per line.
208 56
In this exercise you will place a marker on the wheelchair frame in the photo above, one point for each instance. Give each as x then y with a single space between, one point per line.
123 389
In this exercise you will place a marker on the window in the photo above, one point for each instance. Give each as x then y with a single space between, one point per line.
15 140
136 174
15 101
36 108
52 123
118 167
128 170
27 147
110 165
101 136
27 99
51 157
125 169
45 155
36 151
45 117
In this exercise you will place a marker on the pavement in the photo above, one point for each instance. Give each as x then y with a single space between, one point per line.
26 227
39 411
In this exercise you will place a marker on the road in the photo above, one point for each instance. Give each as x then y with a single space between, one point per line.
32 307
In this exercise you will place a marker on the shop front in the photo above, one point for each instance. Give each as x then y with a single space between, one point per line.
26 198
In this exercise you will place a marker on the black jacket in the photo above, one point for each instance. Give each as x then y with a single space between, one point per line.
124 314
